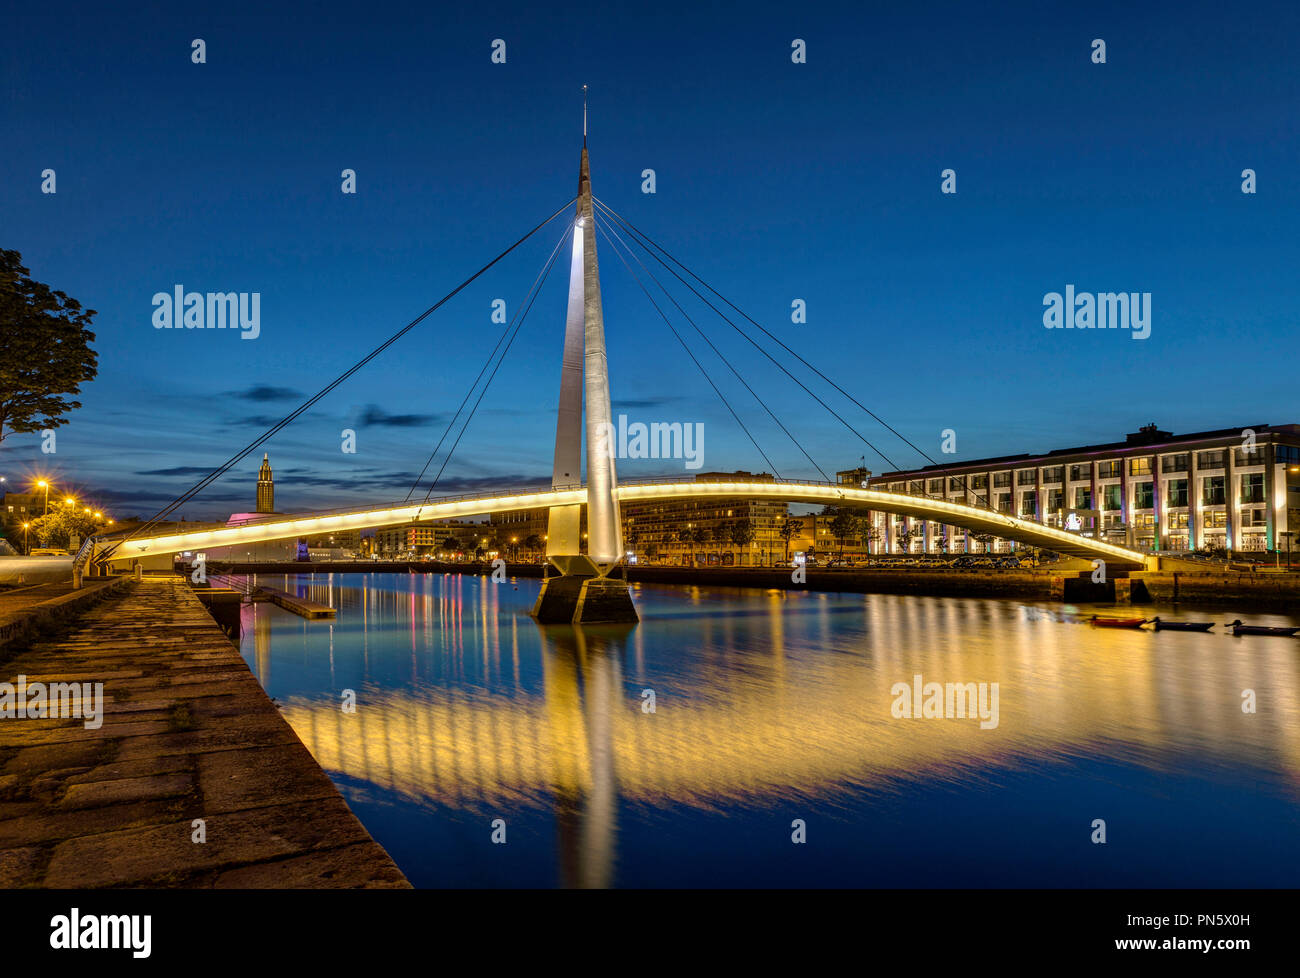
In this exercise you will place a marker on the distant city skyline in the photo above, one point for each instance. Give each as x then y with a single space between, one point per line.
776 181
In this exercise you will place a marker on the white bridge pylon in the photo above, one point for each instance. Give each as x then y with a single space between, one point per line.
974 518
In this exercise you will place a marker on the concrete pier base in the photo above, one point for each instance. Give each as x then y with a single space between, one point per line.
581 599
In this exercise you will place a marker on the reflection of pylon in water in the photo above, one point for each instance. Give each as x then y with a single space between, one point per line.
582 684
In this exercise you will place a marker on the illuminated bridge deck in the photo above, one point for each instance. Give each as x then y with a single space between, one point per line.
974 518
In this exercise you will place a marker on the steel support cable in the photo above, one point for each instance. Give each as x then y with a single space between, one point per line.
723 358
288 419
907 441
507 332
751 340
521 317
721 396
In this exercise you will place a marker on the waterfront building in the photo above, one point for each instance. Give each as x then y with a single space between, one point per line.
700 530
859 477
520 524
339 545
21 507
817 537
677 531
426 538
1235 489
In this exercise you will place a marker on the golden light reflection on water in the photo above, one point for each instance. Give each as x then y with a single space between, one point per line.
763 696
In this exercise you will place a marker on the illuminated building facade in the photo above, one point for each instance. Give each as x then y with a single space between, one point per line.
701 530
20 507
419 539
654 531
1233 488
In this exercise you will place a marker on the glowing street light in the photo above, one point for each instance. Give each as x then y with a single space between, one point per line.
69 501
42 484
27 547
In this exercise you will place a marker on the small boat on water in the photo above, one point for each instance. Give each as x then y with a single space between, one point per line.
1118 622
1241 629
1181 626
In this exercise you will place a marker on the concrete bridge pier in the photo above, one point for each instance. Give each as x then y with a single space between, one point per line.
584 599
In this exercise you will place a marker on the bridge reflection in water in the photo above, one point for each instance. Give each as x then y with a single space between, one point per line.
765 702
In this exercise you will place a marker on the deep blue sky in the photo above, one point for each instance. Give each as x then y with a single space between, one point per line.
775 181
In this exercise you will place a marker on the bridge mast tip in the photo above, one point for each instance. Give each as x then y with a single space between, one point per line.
584 116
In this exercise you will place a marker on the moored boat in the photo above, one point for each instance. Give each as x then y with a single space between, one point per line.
1239 628
1118 622
1181 626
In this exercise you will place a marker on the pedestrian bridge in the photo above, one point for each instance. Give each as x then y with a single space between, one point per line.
117 548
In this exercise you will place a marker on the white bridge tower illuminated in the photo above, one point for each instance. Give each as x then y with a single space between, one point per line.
584 587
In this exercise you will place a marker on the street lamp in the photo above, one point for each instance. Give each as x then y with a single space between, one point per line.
27 547
69 501
42 484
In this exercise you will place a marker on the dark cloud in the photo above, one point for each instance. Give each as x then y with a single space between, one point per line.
374 416
347 485
264 392
644 403
343 482
485 483
178 470
259 421
125 504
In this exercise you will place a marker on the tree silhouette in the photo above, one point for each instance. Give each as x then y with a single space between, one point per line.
741 532
59 525
790 529
44 350
843 527
688 537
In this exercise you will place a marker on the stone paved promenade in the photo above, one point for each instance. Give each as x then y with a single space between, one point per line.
188 733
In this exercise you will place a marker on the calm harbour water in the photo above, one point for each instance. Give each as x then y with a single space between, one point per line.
777 706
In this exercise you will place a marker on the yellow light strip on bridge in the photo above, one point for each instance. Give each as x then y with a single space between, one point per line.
916 506
892 502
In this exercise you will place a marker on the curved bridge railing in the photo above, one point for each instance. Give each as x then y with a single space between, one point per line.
271 527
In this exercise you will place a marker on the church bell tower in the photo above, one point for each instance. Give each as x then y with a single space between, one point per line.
265 487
